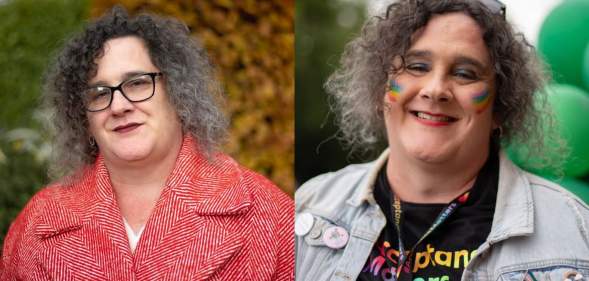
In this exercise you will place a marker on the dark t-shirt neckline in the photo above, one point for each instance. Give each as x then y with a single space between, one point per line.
464 230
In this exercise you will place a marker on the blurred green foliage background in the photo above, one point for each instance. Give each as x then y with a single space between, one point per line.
31 32
322 28
251 42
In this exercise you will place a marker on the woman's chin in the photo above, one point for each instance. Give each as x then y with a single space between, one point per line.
430 154
130 155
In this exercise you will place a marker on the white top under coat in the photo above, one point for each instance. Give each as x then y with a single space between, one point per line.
133 237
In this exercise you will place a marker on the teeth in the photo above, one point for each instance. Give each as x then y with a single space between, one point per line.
432 118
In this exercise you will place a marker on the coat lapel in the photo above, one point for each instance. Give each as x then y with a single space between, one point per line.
193 230
83 231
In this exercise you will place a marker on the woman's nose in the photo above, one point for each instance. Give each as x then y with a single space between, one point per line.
436 89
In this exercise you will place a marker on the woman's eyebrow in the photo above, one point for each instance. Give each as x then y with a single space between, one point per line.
418 54
124 77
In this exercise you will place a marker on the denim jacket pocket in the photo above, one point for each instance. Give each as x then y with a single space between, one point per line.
550 273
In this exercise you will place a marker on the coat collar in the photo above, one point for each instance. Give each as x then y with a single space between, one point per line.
211 186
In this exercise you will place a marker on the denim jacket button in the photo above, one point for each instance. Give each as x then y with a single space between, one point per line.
343 275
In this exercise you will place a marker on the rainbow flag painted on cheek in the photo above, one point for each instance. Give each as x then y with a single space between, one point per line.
481 101
394 90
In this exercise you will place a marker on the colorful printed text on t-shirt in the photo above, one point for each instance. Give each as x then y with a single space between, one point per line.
429 259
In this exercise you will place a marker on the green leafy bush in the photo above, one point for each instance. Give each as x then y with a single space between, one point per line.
31 31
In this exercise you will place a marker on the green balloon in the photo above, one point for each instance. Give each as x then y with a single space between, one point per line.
586 67
571 108
562 41
579 188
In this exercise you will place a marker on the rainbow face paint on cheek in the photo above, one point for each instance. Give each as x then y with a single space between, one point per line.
481 101
394 90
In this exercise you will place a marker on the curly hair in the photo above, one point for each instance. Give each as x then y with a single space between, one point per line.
356 88
191 85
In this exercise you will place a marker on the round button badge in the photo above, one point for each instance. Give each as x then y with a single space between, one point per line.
335 237
303 224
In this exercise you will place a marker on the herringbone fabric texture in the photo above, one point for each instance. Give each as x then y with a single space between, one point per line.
215 220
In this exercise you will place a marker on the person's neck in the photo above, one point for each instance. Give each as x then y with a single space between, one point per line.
147 176
415 181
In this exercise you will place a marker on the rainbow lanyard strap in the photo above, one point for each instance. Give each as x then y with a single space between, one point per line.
444 214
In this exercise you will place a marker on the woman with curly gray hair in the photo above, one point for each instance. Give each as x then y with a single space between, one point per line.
445 84
146 195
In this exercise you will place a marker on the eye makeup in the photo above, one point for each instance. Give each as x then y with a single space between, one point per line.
394 90
481 101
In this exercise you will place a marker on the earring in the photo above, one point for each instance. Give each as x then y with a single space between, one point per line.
92 141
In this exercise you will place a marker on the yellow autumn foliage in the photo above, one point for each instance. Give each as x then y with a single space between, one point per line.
252 44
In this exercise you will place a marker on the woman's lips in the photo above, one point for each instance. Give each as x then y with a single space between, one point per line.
433 119
127 127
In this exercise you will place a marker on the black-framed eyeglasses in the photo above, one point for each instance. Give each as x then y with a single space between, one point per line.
135 89
495 6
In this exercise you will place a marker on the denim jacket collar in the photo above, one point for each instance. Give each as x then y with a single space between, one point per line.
514 210
366 191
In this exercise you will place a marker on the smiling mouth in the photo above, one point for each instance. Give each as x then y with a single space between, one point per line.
433 117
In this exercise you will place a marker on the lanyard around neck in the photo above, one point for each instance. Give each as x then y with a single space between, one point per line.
444 214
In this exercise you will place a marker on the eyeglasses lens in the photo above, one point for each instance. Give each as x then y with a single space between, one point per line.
136 89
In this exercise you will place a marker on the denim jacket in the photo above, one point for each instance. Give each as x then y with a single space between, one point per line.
540 231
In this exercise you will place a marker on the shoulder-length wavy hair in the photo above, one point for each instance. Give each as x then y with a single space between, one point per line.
357 87
190 83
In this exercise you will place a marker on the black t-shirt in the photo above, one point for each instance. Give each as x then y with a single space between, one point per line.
445 252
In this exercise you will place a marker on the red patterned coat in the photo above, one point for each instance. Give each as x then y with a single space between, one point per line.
213 221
